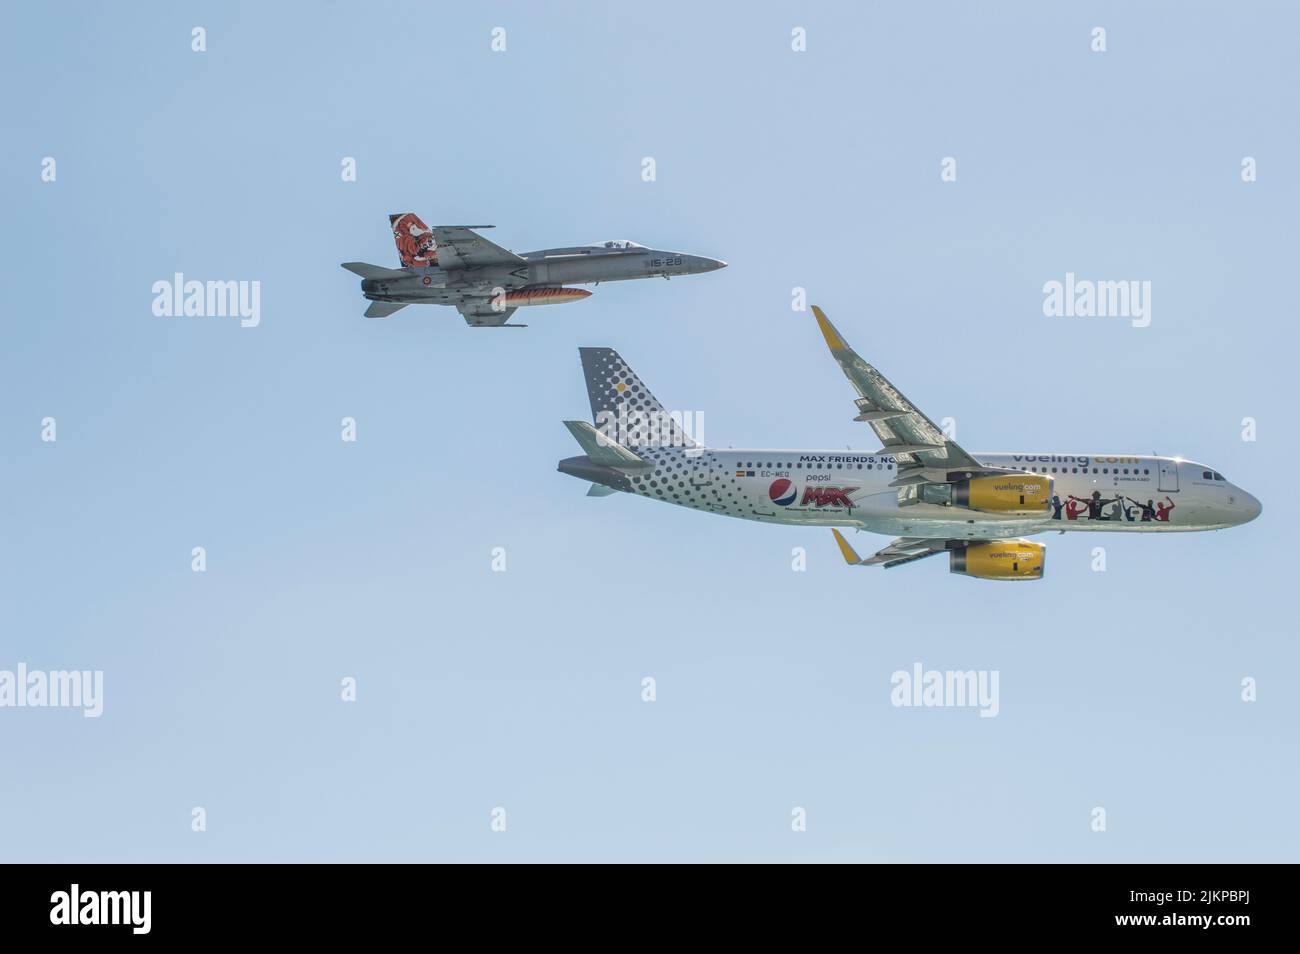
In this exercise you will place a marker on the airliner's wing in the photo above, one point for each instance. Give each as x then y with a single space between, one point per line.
900 551
459 246
916 443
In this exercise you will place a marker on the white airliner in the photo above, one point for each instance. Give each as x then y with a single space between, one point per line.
920 486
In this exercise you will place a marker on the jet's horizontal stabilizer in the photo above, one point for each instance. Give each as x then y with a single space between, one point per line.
382 309
366 270
603 451
600 490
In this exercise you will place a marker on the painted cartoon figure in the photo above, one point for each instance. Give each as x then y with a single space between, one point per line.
1119 511
1095 504
415 244
1148 509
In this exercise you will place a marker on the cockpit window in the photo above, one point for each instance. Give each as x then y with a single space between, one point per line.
1219 476
1206 475
621 244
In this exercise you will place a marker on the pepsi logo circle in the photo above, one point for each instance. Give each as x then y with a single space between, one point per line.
782 492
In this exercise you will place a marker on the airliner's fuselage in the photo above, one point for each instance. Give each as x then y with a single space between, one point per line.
850 489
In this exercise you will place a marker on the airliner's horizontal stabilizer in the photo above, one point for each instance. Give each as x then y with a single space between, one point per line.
600 490
603 451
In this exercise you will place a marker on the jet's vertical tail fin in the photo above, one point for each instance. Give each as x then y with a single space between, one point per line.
619 400
415 244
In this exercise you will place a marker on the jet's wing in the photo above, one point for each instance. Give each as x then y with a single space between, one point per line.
479 315
916 443
459 246
900 551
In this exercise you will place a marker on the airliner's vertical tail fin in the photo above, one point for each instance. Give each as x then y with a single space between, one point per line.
415 245
620 400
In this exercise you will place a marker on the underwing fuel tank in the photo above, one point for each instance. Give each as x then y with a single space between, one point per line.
526 297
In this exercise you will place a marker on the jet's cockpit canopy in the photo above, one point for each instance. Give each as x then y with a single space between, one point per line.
621 245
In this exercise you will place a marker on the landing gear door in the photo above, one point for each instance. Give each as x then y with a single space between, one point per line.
1168 476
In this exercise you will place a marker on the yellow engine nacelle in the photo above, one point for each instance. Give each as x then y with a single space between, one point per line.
999 560
1012 494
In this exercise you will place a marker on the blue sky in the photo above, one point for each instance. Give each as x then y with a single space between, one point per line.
522 689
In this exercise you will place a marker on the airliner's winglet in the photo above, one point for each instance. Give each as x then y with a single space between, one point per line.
850 555
833 339
601 450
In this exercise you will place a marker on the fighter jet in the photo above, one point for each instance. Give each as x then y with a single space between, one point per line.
454 265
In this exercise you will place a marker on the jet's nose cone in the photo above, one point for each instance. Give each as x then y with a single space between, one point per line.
700 263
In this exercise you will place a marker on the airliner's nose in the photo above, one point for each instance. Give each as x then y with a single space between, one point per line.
1249 506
